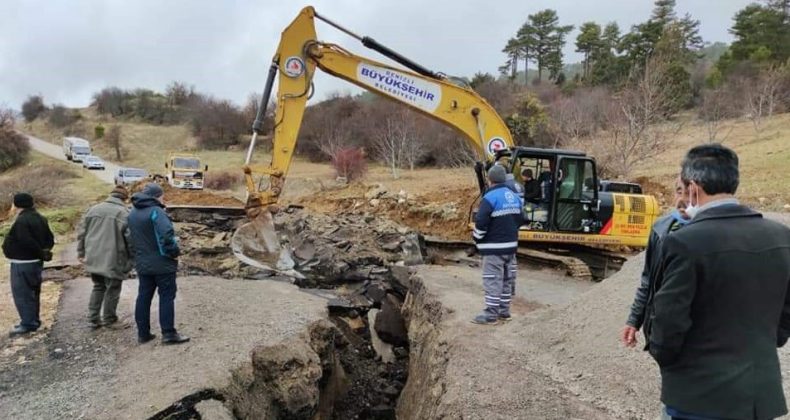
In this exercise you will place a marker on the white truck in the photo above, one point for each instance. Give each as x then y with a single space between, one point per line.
76 149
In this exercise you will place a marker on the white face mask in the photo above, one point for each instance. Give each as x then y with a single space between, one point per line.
692 209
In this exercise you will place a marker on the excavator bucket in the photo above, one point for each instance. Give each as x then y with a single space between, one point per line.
256 243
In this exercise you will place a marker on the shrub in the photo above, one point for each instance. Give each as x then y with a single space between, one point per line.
61 117
98 132
44 183
350 163
33 107
14 147
216 124
222 180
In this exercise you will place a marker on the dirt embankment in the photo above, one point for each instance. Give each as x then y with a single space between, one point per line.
439 213
183 197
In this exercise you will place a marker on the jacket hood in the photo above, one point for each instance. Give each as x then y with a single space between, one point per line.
141 201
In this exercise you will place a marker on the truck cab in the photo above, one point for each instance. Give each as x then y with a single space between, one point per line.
184 171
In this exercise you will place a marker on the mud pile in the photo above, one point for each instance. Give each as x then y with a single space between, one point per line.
181 197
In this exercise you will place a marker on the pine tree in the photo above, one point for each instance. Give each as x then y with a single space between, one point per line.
588 42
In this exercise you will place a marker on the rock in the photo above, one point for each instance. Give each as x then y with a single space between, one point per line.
391 392
376 192
401 352
339 306
356 324
58 353
213 410
382 349
376 292
284 379
305 251
219 238
392 246
374 202
762 200
786 207
381 412
389 324
412 251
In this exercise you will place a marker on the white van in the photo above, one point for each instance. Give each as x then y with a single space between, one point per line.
76 149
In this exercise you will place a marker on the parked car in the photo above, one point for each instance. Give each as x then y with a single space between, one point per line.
93 162
128 176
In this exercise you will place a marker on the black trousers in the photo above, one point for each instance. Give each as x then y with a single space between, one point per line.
26 290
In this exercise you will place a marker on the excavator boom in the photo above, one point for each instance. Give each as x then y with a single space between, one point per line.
294 64
576 206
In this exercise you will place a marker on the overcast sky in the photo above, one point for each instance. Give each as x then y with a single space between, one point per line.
68 49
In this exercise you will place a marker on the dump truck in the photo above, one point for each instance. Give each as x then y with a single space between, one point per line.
184 171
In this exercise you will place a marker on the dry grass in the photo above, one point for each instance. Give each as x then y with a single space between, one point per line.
764 159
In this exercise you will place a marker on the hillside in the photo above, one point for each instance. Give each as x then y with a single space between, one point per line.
765 182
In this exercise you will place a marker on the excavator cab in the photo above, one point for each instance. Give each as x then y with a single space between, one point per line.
571 208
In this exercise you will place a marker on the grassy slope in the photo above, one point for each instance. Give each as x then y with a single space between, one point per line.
764 159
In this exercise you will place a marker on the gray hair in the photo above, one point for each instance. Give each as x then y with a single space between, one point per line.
713 167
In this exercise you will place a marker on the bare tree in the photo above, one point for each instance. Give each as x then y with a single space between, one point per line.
396 142
763 93
637 121
714 111
114 140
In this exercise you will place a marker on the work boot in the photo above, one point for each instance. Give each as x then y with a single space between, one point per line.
20 330
116 325
505 317
145 339
485 319
175 338
93 325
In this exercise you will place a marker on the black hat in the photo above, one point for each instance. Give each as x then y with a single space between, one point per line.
23 200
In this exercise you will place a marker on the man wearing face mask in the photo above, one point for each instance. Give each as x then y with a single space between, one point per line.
661 228
722 301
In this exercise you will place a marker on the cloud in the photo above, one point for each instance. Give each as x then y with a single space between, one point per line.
69 49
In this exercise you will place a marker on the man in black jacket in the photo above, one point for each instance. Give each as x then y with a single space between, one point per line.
661 228
25 247
721 306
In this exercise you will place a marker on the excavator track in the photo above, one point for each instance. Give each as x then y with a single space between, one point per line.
583 263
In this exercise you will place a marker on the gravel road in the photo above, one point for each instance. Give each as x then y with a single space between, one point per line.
56 152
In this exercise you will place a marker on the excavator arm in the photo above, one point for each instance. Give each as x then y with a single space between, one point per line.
294 64
298 56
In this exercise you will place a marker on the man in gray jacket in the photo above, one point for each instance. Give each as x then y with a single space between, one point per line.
104 246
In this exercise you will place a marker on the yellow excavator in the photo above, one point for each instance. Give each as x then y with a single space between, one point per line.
571 210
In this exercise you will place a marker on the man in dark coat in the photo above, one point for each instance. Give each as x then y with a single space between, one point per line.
26 247
532 190
661 228
156 261
721 306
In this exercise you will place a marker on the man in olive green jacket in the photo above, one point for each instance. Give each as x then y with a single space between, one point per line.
105 249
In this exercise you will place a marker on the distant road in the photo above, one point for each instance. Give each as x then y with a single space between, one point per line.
56 152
